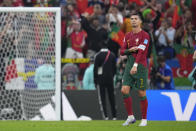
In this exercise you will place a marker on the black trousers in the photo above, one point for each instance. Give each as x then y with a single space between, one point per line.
103 91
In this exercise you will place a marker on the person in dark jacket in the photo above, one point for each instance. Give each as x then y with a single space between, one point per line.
104 71
95 34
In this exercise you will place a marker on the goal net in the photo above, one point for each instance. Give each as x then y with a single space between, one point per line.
29 63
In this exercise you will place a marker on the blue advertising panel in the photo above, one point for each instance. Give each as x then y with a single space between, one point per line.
176 105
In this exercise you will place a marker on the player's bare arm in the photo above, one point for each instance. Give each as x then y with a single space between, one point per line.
134 68
133 49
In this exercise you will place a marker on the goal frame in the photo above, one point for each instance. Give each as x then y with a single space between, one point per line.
57 10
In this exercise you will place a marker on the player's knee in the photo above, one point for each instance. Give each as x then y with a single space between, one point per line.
143 98
142 93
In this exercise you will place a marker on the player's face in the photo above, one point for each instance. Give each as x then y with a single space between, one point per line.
162 64
135 21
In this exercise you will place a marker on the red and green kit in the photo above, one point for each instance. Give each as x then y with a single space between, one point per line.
141 40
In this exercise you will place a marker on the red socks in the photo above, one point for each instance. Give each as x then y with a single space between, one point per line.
128 105
143 107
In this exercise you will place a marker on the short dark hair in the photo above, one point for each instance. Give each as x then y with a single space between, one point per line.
104 44
161 58
113 5
94 18
140 17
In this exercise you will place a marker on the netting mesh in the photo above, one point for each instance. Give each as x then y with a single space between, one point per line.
27 63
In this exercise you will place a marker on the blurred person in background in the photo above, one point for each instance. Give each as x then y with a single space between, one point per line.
28 3
126 25
104 71
192 75
113 45
164 75
184 35
96 33
7 3
72 13
70 77
114 15
165 38
88 79
194 55
77 37
193 9
93 2
151 14
82 5
187 17
98 12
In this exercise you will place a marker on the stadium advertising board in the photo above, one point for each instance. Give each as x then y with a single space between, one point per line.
176 105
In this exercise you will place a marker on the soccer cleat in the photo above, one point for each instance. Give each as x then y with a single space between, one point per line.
106 118
143 122
114 118
130 120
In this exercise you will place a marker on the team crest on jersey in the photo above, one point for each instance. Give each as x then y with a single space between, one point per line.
145 41
128 43
137 40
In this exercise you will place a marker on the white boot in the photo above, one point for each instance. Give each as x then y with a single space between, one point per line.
106 118
143 122
130 120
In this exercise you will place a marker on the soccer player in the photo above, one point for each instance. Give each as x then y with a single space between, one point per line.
135 46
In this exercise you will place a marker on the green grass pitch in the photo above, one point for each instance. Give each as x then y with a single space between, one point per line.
95 126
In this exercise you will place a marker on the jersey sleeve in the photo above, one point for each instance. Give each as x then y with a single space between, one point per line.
168 73
124 49
143 48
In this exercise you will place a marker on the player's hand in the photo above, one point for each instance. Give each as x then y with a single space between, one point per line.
158 74
133 49
133 70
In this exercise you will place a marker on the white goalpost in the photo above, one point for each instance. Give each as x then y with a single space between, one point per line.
30 63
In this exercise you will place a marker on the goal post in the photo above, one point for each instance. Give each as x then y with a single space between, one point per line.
30 63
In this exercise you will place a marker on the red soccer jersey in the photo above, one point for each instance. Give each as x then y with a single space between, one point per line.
140 39
77 40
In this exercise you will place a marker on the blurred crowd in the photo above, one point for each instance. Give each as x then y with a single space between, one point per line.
86 24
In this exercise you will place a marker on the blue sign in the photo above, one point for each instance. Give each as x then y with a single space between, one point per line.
177 105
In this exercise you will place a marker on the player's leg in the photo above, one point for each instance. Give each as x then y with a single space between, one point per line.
142 86
127 82
127 99
143 107
128 105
